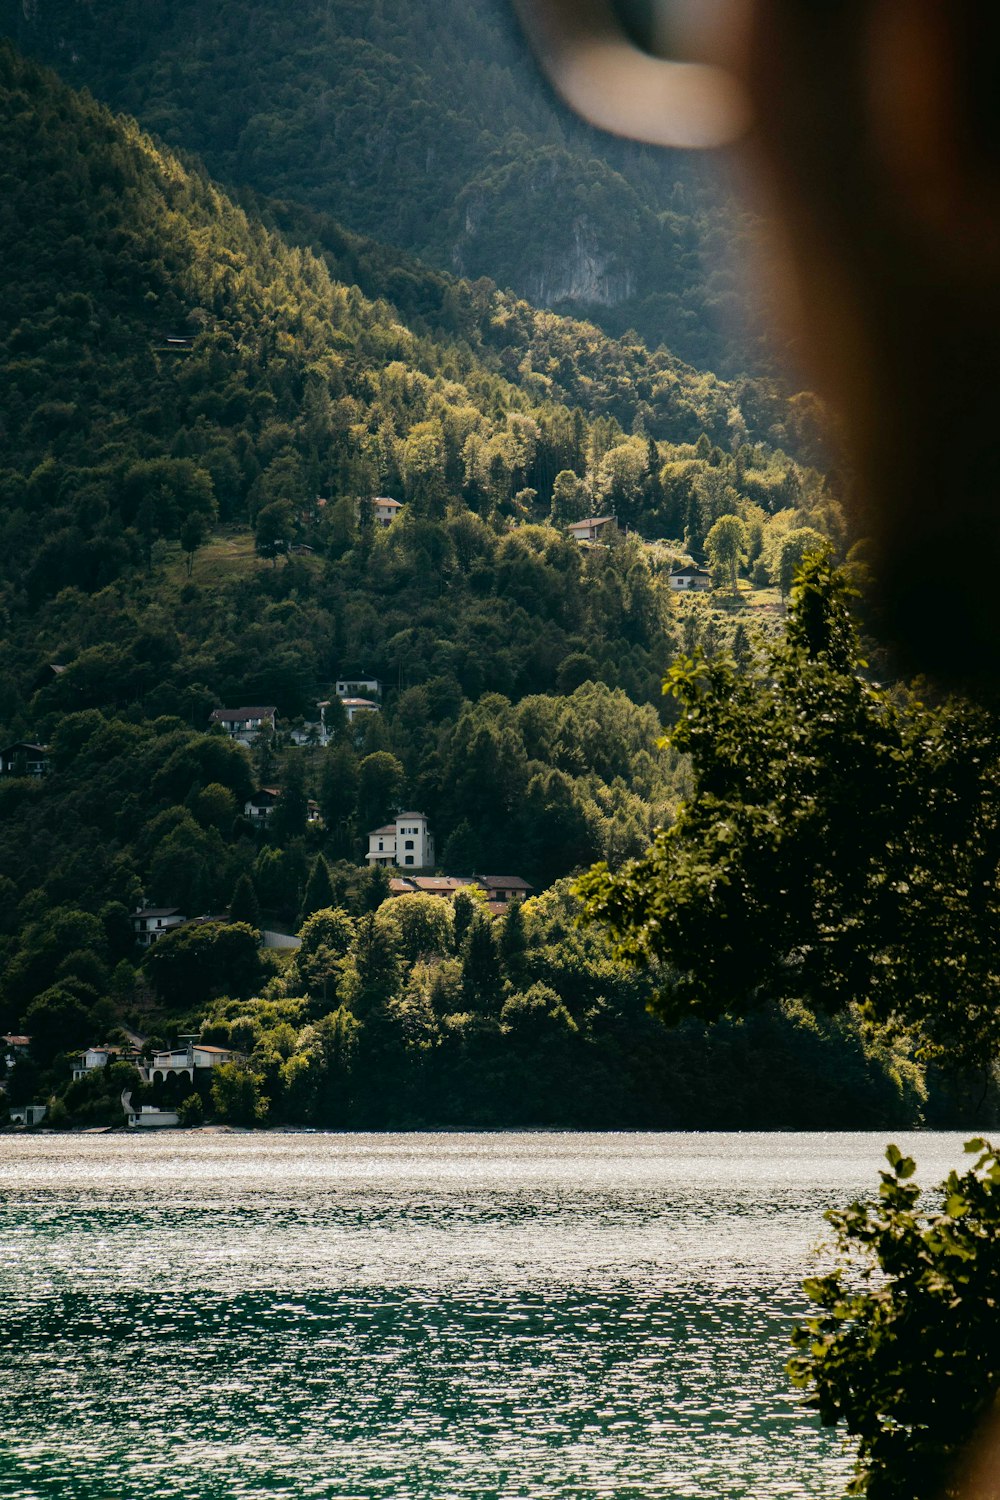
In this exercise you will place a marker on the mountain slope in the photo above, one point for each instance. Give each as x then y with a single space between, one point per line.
181 385
428 128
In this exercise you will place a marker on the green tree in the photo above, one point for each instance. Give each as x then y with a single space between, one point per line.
273 531
319 891
381 778
480 968
513 940
792 550
327 936
904 1345
238 1096
244 906
417 926
464 908
191 1110
291 811
726 545
193 534
189 966
371 974
570 499
792 869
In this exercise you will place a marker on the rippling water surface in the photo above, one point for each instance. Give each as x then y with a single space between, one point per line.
541 1315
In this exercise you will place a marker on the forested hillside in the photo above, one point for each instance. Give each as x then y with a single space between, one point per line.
425 127
197 414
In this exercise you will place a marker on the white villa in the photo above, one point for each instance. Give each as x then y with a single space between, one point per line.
385 510
149 923
406 842
244 724
187 1058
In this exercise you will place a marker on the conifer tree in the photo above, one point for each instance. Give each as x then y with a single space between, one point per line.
464 908
290 811
513 940
372 972
244 906
479 965
319 890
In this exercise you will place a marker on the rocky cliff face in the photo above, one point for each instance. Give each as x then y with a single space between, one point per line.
578 271
588 275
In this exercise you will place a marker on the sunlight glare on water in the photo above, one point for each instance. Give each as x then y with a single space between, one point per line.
419 1317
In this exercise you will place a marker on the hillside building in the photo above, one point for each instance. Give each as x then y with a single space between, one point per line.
24 759
593 529
150 923
385 510
244 724
408 843
189 1057
690 577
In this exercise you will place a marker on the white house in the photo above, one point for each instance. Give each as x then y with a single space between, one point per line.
384 510
244 724
593 529
94 1057
355 706
28 1114
99 1057
690 577
408 842
358 687
150 1117
150 923
261 805
187 1059
34 759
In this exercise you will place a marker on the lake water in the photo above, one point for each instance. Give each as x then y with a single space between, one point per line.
432 1316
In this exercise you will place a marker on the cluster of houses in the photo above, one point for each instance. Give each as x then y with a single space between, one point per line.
189 1059
408 843
244 725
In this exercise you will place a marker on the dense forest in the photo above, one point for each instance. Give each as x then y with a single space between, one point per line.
427 129
197 413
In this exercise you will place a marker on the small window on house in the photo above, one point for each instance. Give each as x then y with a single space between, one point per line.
408 844
408 860
381 846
